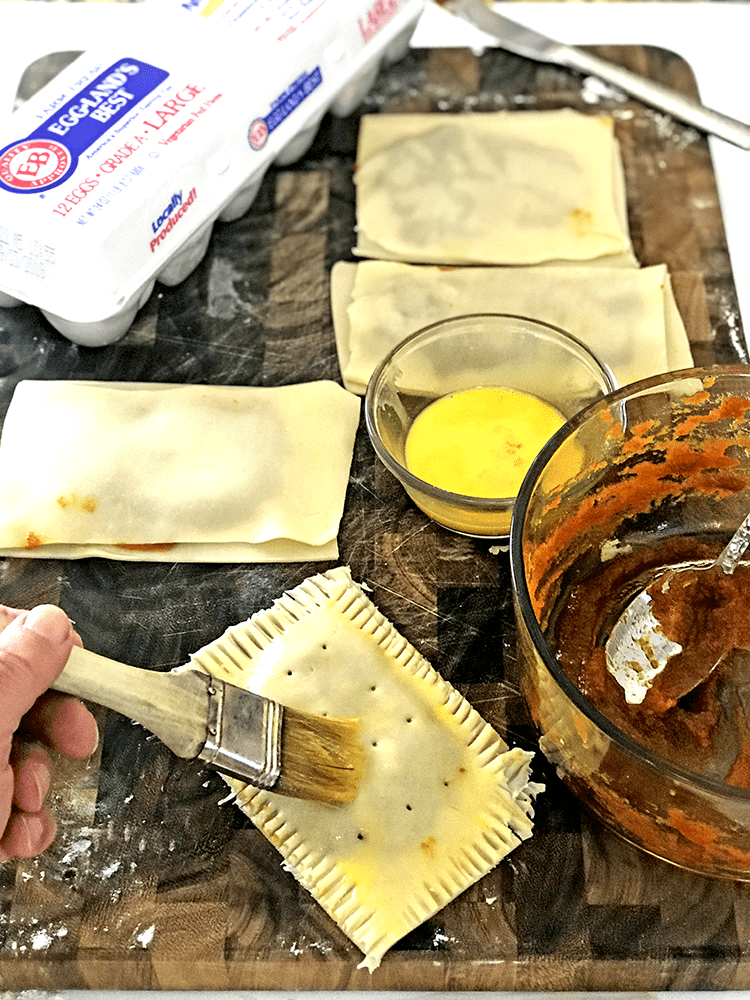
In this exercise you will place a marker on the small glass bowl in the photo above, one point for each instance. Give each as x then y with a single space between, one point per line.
666 481
466 352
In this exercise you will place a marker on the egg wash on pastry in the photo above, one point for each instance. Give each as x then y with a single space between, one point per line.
443 798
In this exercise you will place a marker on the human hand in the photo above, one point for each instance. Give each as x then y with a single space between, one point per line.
34 647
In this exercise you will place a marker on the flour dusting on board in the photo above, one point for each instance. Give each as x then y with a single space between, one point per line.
145 937
672 131
594 90
21 937
729 316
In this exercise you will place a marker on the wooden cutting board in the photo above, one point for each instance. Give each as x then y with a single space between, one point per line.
155 880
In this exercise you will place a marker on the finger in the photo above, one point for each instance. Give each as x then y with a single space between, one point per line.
63 722
27 834
7 788
7 615
32 769
34 648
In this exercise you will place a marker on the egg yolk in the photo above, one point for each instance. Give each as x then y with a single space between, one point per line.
480 442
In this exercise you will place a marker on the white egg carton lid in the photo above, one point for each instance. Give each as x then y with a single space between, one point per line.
113 174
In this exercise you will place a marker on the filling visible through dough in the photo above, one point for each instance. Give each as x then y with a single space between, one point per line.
175 472
627 317
493 188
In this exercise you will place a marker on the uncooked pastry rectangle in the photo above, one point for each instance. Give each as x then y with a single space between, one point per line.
443 798
504 187
626 316
175 472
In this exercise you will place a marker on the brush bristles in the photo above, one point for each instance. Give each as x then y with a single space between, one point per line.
321 758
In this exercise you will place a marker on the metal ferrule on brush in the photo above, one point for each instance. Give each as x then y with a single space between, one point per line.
244 734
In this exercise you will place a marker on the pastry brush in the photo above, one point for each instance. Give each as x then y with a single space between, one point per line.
237 732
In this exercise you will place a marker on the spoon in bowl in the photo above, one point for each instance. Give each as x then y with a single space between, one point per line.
682 618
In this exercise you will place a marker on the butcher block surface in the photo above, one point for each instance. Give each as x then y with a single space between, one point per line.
156 880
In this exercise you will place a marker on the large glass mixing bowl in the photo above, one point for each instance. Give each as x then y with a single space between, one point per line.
664 478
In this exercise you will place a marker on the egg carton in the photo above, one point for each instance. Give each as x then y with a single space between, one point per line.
113 174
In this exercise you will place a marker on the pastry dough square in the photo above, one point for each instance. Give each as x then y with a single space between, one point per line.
503 187
443 799
627 317
175 472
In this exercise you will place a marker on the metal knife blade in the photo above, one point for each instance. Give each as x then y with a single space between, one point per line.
517 38
532 44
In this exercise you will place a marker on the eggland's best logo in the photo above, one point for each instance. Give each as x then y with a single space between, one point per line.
257 133
33 163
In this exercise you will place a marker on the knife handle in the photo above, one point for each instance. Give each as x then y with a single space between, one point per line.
665 98
172 705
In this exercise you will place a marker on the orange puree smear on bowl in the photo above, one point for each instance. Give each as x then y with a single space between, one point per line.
480 442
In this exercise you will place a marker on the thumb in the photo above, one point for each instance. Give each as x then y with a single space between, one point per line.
33 651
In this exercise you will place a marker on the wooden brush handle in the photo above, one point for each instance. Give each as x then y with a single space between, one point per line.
172 705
